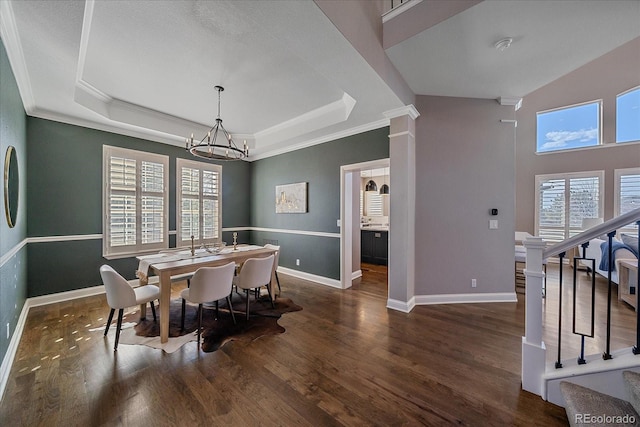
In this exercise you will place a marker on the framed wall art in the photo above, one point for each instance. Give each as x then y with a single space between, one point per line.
291 198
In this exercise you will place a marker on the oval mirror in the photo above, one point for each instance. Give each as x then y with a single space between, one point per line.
11 186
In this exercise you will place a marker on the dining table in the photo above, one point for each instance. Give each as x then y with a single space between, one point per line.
174 263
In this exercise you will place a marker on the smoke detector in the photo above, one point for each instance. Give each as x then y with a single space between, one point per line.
503 44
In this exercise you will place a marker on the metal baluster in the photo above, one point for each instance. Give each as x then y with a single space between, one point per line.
558 363
636 348
591 334
581 360
607 354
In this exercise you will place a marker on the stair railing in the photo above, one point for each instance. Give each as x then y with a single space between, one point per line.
533 348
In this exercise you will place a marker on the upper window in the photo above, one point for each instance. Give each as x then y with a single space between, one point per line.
199 210
564 200
628 116
567 128
135 201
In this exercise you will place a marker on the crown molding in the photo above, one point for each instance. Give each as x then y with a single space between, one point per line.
327 138
407 110
122 129
9 34
506 100
327 115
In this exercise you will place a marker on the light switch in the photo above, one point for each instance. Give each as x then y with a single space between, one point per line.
493 224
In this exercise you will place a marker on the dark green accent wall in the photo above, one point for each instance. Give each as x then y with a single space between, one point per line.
319 166
65 198
13 269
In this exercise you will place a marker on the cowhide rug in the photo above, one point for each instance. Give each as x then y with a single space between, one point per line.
216 332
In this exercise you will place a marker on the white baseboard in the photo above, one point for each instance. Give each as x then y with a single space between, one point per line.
65 296
466 298
310 277
356 275
402 306
7 361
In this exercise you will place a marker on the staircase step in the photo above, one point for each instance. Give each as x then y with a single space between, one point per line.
586 407
632 383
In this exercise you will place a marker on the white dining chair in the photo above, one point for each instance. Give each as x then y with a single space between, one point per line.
275 262
255 273
209 284
121 295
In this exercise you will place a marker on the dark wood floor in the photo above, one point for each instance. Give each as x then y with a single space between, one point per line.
345 359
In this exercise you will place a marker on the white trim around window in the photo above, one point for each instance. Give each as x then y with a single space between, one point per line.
569 127
135 207
628 116
199 202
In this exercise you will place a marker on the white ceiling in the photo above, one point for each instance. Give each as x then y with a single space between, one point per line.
148 68
457 57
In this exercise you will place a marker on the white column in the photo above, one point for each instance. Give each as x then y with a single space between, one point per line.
533 348
402 154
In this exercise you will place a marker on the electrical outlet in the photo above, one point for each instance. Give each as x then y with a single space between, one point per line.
8 331
297 262
473 283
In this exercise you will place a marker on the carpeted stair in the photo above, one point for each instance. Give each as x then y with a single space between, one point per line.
587 407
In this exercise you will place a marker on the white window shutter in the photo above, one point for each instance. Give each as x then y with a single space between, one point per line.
564 200
198 198
135 202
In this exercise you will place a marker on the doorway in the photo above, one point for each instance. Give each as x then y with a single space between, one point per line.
352 220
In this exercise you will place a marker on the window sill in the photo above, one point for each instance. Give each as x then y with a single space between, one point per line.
595 147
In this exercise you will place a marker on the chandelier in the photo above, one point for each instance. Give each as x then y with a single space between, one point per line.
211 148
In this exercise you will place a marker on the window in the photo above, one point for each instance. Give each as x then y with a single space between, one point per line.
374 203
627 188
564 200
628 116
567 128
198 195
135 201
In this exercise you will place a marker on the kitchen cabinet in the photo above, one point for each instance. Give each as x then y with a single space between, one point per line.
374 246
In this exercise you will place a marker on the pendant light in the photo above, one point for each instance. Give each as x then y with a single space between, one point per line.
371 185
384 190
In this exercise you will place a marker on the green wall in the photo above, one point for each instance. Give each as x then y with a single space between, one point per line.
319 166
65 199
13 267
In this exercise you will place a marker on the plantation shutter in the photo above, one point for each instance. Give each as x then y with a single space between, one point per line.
584 202
551 216
627 194
563 201
210 204
122 201
199 211
374 204
135 201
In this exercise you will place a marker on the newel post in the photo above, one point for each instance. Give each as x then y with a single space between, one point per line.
533 348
